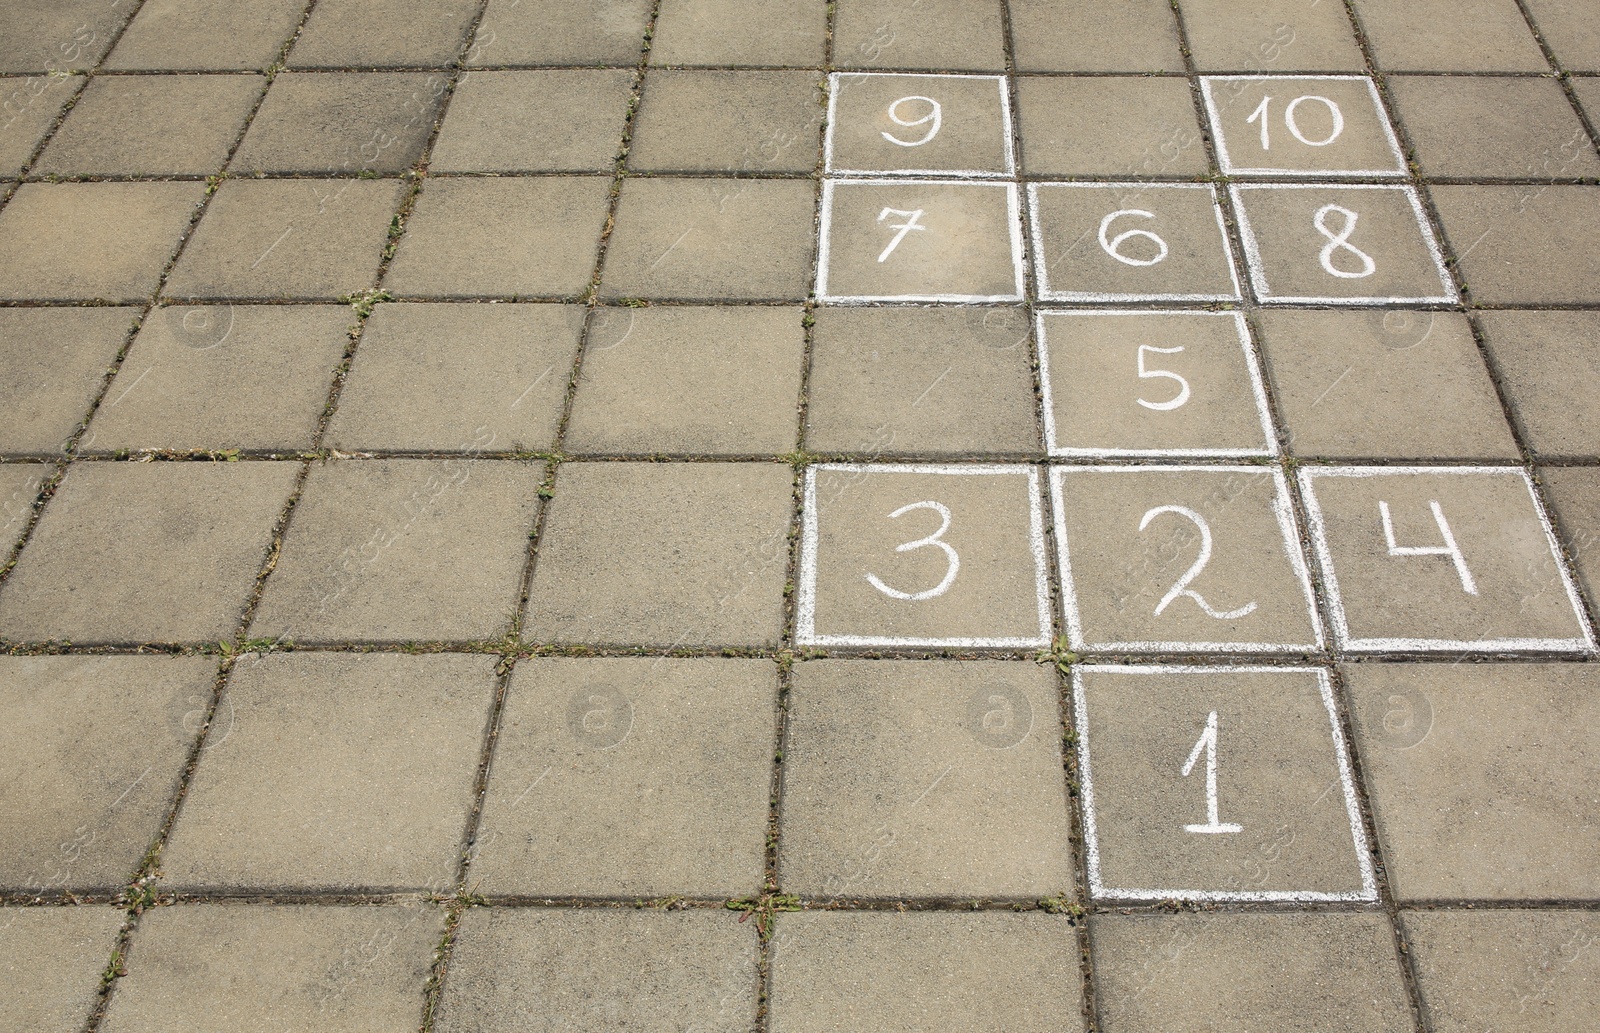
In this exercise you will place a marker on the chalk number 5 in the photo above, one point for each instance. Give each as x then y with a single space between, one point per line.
1149 374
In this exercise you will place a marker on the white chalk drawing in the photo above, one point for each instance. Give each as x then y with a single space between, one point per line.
935 116
1449 548
1175 402
1207 744
1292 123
838 82
1262 115
1113 246
1181 589
1340 241
910 224
934 540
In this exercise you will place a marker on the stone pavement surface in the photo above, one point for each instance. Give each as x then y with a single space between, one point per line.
786 515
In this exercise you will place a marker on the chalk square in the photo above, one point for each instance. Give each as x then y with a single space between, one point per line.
1264 809
1340 244
1441 559
1314 125
1194 559
882 124
1129 383
870 578
919 240
1130 242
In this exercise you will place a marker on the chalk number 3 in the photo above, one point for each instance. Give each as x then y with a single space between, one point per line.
932 541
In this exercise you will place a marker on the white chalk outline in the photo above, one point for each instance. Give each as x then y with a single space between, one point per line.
1336 612
1036 232
806 610
1010 160
824 242
1226 163
1258 276
1358 836
1291 547
1257 386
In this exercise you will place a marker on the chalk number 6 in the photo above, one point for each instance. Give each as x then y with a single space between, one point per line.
934 540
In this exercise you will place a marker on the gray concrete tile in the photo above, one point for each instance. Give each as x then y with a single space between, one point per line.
1549 370
1449 36
93 241
1108 392
712 238
681 554
1519 971
700 121
1439 558
383 34
530 237
312 239
548 120
556 32
1317 126
689 380
341 123
739 32
1180 973
206 35
403 550
1479 777
886 763
1523 245
1574 495
1085 36
877 972
936 35
65 36
337 772
1065 131
194 379
157 552
931 125
922 381
258 969
1270 37
28 109
1520 128
1587 90
630 777
86 789
923 556
1383 385
458 378
1569 29
166 124
19 487
1181 560
601 968
55 360
52 959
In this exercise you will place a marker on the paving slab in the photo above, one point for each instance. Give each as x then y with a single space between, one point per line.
936 35
403 550
928 125
700 121
260 969
29 105
474 237
93 241
1301 126
1316 972
52 959
646 970
193 379
1568 29
19 488
709 381
1065 131
1274 36
545 120
341 123
1455 36
739 32
1519 128
1202 559
1523 245
700 239
1196 390
1520 971
1479 777
69 36
876 972
1101 242
86 789
307 239
163 125
1440 559
630 777
335 772
206 35
1587 91
1548 369
458 378
557 32
921 381
383 33
56 360
923 556
1574 495
147 552
886 763
1085 36
1383 384
663 554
